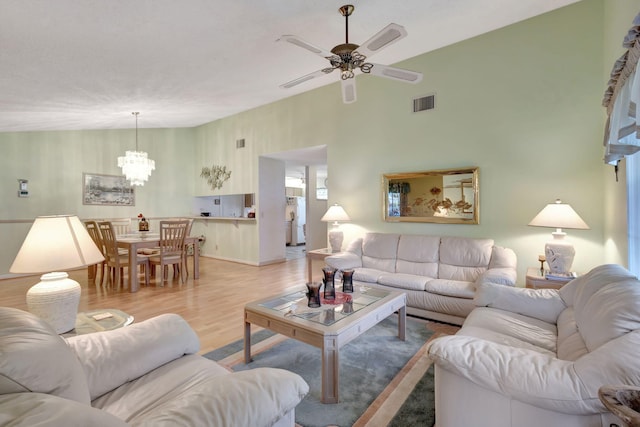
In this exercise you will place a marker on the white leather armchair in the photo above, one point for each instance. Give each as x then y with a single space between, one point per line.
146 374
529 357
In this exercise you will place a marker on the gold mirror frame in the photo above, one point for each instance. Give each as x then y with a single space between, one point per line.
447 196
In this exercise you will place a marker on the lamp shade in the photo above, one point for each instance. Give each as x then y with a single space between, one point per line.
559 215
335 213
56 243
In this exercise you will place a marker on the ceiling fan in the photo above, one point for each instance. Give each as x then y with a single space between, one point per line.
349 57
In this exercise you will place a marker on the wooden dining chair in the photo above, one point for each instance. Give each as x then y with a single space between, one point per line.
121 226
116 260
94 232
171 251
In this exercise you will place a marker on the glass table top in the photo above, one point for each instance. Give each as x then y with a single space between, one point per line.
295 304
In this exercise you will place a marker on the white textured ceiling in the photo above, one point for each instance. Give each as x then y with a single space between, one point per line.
87 64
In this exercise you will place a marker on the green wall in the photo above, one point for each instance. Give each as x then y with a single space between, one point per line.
54 162
522 103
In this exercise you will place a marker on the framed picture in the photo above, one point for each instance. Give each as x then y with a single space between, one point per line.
107 190
449 196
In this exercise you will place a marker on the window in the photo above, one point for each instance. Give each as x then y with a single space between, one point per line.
633 212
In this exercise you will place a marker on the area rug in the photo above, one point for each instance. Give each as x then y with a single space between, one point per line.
383 380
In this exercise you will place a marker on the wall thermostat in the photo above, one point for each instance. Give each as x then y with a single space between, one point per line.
22 188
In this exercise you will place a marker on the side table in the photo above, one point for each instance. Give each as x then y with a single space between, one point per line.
537 280
99 320
319 254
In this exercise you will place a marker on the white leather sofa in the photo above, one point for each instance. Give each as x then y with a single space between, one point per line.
530 358
146 374
438 274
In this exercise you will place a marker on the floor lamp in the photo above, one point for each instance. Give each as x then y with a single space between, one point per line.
56 243
335 214
559 253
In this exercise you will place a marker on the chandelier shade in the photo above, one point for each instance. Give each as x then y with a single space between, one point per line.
136 165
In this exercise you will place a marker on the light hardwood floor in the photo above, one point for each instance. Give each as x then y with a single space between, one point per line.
213 305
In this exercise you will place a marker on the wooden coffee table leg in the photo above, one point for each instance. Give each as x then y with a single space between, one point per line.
247 342
402 322
330 370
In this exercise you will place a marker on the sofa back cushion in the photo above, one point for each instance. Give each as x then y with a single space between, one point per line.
418 255
605 304
33 358
379 251
463 258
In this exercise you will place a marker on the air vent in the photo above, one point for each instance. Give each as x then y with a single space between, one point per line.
424 103
240 143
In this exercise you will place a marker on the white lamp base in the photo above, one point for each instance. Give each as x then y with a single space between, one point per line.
335 240
55 299
559 254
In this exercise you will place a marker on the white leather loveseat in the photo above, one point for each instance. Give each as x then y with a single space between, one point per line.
143 375
528 357
438 274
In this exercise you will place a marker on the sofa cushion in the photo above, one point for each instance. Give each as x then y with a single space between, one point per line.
605 303
112 358
503 258
418 255
379 251
370 275
543 304
33 358
45 410
451 288
511 329
403 281
464 258
194 391
571 346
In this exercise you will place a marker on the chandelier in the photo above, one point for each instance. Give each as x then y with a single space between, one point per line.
136 165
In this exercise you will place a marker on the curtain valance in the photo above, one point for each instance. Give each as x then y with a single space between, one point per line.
621 98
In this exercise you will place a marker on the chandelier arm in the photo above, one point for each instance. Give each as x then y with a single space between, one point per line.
136 115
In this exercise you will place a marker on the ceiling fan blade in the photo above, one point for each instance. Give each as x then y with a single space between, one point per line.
385 37
348 90
306 78
295 40
396 73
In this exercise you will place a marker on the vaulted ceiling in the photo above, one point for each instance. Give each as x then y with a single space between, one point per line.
87 64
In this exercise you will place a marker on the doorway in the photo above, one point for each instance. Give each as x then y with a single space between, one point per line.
296 175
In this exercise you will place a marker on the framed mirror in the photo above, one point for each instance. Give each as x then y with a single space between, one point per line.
448 196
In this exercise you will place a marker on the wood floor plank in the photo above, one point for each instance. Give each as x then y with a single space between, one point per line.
213 305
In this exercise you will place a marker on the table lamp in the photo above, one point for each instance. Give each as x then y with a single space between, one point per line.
335 214
56 243
559 253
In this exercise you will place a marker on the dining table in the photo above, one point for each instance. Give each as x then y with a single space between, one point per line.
141 240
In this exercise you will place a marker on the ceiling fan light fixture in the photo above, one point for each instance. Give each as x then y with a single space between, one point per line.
349 57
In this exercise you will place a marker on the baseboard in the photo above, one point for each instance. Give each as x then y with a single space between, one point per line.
242 261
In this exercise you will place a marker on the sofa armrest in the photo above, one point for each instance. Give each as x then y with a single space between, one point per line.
112 358
522 374
255 397
543 304
501 276
39 409
344 261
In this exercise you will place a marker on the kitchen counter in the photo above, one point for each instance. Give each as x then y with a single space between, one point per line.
224 218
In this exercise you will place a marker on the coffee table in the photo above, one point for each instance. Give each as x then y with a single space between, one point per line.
328 327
